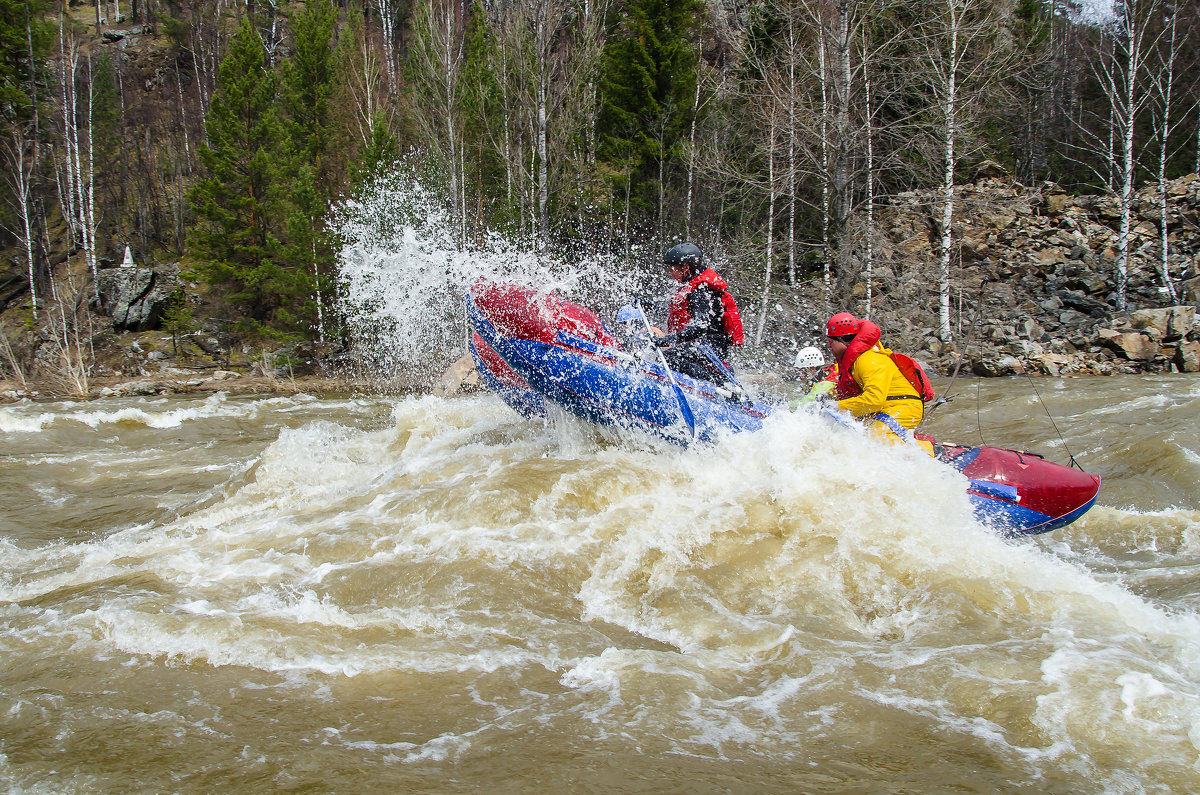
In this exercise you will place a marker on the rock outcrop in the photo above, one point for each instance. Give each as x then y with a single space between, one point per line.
1033 280
137 297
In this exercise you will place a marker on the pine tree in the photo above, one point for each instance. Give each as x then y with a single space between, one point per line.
647 85
479 101
379 155
236 236
17 32
307 84
308 80
24 41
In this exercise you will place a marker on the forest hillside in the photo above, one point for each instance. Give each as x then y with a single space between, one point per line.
997 183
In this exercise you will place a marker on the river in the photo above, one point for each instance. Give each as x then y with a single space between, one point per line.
425 594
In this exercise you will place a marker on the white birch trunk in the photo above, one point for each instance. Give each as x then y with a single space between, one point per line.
1112 143
20 180
691 168
825 245
508 153
387 20
84 182
945 331
1127 122
320 301
68 103
1164 135
462 182
202 67
791 159
841 171
543 173
91 188
870 251
661 198
187 148
766 294
448 98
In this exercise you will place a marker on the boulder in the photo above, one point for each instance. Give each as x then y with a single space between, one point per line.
1159 319
1183 321
1191 290
137 298
1051 256
1053 363
1074 299
1187 358
1088 281
210 343
973 249
997 364
1033 330
997 217
1130 345
462 376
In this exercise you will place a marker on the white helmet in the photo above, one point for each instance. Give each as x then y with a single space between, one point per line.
810 357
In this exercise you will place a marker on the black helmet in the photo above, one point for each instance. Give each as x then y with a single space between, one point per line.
685 254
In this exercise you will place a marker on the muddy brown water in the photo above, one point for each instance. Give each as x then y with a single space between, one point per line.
424 594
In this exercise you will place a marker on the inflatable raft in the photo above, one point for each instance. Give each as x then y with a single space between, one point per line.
532 347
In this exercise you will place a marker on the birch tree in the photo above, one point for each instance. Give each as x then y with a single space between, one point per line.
388 10
770 249
965 63
18 174
949 96
1107 145
1162 85
1122 78
80 152
359 93
435 63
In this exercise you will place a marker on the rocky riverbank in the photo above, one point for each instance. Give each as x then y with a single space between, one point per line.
1033 281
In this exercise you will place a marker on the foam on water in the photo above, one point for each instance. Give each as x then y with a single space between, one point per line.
158 413
764 588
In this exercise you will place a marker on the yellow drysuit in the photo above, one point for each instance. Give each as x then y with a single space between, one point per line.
879 378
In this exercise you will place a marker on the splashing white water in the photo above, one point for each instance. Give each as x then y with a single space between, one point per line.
403 274
1095 13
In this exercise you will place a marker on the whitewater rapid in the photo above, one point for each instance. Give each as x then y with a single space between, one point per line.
410 587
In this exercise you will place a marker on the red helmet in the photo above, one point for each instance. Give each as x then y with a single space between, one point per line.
841 324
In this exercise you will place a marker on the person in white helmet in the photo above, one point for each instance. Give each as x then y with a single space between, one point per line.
815 376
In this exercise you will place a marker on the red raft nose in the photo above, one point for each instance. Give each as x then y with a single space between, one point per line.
529 314
1043 486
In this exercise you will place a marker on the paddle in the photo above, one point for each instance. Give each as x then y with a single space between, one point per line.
684 409
737 392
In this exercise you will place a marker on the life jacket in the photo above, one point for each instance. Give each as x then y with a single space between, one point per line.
679 314
868 334
911 369
867 338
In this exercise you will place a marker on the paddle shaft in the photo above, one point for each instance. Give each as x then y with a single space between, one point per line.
684 410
